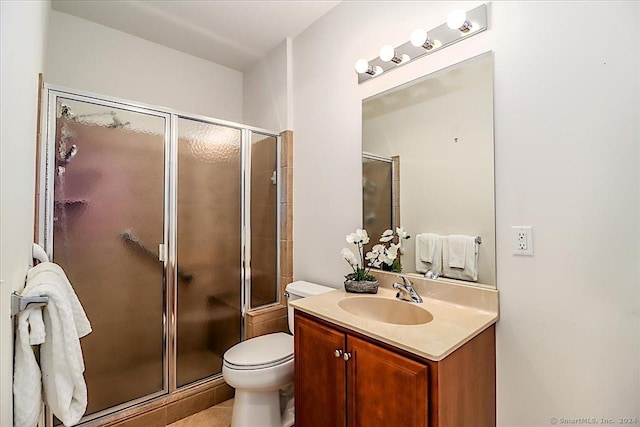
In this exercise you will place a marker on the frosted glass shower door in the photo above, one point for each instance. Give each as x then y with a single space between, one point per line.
264 220
377 197
108 172
209 276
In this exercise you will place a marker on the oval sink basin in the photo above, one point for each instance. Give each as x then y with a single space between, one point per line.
386 310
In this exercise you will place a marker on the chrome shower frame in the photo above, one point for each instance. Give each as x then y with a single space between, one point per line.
169 253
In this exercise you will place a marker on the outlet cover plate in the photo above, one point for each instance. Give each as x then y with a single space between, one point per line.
522 239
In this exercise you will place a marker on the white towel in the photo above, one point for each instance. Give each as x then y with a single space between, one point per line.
427 243
428 247
458 250
460 257
27 386
79 317
60 354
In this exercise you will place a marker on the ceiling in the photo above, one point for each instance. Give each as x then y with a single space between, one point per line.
232 33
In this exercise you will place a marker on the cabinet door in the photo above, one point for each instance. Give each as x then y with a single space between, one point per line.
320 377
384 388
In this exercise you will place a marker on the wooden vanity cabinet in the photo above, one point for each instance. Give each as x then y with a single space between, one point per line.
379 385
322 376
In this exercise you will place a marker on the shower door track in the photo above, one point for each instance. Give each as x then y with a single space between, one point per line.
169 258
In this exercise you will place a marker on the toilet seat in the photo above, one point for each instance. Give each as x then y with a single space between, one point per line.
261 352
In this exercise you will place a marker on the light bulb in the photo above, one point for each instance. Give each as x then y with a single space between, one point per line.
418 37
387 53
362 65
457 19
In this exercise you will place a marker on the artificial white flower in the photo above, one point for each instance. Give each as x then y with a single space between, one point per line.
378 248
393 250
401 233
353 238
364 237
387 236
348 255
360 236
371 255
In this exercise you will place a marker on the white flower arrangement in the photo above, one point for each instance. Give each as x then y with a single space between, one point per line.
357 264
379 255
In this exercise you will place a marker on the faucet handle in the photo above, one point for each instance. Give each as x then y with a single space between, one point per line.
405 281
406 291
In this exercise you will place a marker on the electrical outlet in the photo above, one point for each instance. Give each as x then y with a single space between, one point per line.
522 237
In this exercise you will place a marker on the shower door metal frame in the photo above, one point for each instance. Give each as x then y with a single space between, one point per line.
246 215
169 255
47 207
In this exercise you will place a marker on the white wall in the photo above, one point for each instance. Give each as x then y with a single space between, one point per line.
267 90
23 29
567 102
91 57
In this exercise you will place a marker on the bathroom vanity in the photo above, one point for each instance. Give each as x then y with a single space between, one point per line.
355 368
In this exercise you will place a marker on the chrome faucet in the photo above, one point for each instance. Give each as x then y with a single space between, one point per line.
406 292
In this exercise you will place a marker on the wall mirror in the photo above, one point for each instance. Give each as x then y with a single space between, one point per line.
428 162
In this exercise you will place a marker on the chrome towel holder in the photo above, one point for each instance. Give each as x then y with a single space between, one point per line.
20 303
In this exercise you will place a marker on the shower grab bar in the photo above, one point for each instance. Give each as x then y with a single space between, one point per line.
20 303
129 238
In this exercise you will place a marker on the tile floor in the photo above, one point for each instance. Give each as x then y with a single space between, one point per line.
216 416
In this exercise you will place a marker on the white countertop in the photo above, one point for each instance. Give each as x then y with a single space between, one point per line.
452 325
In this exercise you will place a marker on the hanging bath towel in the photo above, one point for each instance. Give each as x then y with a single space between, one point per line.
27 381
460 257
65 322
428 253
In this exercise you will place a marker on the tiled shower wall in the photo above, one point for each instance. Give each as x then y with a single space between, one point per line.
274 318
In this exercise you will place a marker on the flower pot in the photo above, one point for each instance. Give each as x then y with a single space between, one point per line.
361 286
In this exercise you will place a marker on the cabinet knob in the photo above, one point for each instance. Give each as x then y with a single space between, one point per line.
346 357
337 353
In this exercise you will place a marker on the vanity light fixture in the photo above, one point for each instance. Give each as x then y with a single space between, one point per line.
459 26
457 20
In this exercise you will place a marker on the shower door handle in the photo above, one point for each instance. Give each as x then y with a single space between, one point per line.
162 255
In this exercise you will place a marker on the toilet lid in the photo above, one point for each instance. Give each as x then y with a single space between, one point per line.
260 352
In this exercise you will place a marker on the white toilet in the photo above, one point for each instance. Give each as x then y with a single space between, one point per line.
259 367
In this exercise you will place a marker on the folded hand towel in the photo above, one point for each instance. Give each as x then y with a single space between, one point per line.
427 243
458 249
470 263
428 247
60 354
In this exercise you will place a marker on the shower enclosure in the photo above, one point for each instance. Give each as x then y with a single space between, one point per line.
167 226
380 198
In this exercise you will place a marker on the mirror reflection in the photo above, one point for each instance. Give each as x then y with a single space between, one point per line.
428 166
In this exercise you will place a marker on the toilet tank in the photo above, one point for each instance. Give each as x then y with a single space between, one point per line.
301 289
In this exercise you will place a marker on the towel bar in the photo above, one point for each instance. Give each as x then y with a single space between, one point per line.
19 304
478 240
